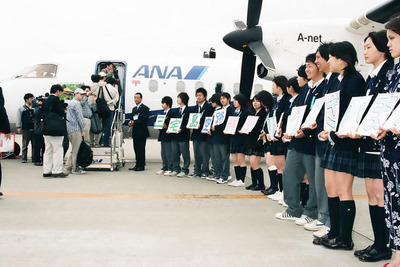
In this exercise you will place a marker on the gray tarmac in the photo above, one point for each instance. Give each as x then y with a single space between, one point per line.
125 218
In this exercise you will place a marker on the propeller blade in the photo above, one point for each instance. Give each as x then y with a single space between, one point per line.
261 51
239 25
253 12
247 73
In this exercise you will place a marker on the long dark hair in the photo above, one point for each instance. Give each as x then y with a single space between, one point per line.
346 52
380 40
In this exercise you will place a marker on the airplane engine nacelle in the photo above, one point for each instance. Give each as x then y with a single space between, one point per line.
264 73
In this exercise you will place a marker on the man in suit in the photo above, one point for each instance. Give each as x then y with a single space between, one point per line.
200 147
138 122
4 124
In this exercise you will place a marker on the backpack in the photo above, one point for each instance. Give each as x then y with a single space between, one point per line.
102 108
85 155
28 118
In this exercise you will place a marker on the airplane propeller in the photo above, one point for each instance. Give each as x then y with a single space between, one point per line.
248 39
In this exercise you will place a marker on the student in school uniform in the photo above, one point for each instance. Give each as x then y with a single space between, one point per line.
253 144
221 141
165 139
321 226
180 140
278 147
376 53
216 105
390 155
237 141
200 147
340 159
300 157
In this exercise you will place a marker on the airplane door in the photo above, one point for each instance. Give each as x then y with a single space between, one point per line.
119 73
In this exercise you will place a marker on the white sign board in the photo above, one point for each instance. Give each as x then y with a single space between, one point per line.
314 112
159 122
295 119
331 111
7 145
353 115
394 120
249 124
194 120
219 117
207 124
231 125
174 125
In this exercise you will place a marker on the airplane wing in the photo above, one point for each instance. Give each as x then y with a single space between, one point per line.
374 19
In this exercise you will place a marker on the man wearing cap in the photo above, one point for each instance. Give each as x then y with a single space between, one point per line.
76 130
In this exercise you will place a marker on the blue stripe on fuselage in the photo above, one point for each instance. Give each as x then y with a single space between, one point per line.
196 73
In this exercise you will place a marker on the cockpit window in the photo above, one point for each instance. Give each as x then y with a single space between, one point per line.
40 71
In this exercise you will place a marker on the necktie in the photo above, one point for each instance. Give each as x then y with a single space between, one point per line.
180 111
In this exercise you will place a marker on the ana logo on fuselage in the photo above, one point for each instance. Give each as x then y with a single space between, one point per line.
155 71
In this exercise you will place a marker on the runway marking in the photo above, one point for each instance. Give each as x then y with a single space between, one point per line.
139 196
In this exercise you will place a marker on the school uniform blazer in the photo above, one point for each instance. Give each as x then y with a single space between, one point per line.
139 128
306 145
330 86
162 134
207 111
184 135
238 138
219 136
252 141
4 122
350 86
367 144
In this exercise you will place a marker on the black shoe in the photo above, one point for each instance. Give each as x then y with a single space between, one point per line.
268 191
374 255
133 169
38 164
257 188
333 244
60 175
47 175
1 194
357 253
250 187
139 169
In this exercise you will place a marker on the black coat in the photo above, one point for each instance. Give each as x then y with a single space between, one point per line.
218 136
238 139
139 128
351 85
184 135
162 135
53 104
252 141
376 86
4 123
207 111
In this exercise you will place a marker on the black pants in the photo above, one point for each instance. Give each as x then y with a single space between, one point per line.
139 146
39 148
28 137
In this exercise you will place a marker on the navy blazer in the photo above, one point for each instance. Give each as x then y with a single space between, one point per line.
207 111
252 141
218 136
367 144
350 86
139 128
238 138
184 135
162 134
4 123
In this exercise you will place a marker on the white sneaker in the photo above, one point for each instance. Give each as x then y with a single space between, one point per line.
233 183
221 181
78 172
174 174
277 196
181 174
239 183
285 216
160 172
229 177
323 231
314 225
167 173
282 203
303 220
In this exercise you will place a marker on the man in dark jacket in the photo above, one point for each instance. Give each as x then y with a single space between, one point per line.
138 122
53 154
4 124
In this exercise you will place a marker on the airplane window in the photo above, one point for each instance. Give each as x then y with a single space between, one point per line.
236 88
41 71
180 86
257 88
198 85
153 86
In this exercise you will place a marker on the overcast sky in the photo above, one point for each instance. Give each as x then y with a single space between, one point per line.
35 30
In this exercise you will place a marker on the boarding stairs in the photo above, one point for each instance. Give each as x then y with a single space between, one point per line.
111 158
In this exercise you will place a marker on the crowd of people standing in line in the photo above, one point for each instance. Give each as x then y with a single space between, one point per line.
325 161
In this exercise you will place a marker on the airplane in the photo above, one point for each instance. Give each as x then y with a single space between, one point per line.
281 52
